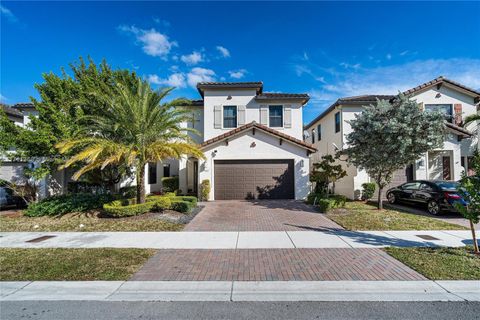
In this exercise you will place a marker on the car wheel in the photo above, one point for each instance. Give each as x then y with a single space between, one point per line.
433 207
391 198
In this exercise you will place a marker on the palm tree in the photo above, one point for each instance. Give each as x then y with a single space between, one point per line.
471 118
133 128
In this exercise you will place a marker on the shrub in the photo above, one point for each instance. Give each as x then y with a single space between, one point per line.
312 195
205 190
59 205
127 208
170 184
181 206
161 204
128 192
335 201
368 190
191 199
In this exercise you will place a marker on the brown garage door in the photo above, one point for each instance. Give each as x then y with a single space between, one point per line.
254 179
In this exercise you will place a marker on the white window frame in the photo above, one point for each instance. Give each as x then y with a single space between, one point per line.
223 116
283 115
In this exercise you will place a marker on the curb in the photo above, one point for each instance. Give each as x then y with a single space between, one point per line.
241 291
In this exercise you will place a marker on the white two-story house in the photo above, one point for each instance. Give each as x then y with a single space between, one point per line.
252 141
328 132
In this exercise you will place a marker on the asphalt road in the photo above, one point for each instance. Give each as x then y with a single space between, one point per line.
54 310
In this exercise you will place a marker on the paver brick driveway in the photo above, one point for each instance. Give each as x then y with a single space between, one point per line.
261 215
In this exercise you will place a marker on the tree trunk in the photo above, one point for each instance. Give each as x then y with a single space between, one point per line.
474 236
141 183
380 202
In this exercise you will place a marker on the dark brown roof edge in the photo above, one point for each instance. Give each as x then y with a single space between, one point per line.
266 96
458 129
258 85
253 124
439 80
11 111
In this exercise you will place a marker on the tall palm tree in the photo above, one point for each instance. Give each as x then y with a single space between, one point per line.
133 128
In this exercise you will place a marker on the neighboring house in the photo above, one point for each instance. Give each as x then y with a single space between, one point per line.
252 141
327 133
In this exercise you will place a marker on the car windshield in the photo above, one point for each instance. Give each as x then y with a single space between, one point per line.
448 185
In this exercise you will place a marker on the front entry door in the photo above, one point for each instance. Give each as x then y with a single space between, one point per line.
446 168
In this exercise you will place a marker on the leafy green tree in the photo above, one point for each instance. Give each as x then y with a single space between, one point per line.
470 191
388 136
64 100
325 172
133 128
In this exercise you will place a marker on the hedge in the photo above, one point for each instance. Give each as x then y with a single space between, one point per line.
335 201
59 205
170 184
181 206
128 207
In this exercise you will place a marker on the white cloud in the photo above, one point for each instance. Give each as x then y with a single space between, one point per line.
391 79
192 59
389 56
153 42
200 75
3 98
223 51
5 12
238 74
174 80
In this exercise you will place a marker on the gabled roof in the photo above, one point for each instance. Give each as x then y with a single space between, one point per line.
442 80
263 128
11 112
266 96
367 99
257 85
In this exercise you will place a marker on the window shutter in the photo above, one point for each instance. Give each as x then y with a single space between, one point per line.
241 115
457 109
263 114
287 116
217 117
420 105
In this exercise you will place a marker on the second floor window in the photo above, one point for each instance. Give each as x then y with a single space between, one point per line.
319 132
337 122
276 116
230 116
313 136
445 109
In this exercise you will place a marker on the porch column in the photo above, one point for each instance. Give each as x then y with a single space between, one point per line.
182 175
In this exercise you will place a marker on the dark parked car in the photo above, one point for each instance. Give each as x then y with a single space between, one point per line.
436 195
9 200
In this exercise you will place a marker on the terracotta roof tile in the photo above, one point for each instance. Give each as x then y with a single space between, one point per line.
263 128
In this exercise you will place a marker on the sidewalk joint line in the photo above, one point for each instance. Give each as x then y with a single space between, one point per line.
348 244
231 291
236 243
294 246
452 293
118 288
29 282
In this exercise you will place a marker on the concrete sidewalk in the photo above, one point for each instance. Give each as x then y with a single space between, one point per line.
326 238
242 291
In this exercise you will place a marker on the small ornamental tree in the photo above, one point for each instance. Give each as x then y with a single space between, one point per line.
388 136
470 191
325 172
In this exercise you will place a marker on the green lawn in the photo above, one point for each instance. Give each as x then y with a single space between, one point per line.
440 263
71 264
85 222
358 215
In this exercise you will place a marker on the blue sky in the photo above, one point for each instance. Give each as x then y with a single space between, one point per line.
326 49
